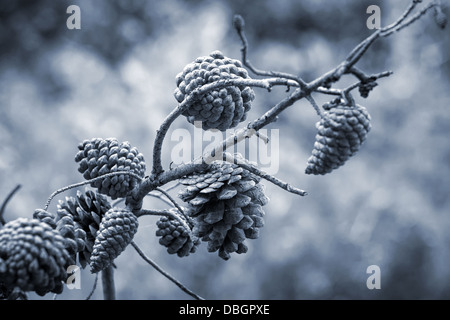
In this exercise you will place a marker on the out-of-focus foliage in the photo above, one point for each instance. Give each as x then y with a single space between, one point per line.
115 77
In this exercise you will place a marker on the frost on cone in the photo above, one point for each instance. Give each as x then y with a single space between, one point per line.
340 134
117 229
33 257
176 236
86 211
100 156
220 108
226 202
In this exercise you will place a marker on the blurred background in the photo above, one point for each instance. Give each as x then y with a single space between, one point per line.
115 77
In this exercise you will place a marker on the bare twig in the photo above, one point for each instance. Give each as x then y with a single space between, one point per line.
160 197
164 273
402 23
255 170
82 183
5 202
167 213
239 24
315 106
94 286
199 92
172 200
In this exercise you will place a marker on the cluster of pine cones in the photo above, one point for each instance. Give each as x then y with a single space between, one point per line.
223 203
35 253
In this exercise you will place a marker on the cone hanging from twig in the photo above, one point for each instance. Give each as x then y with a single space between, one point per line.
222 108
340 134
226 202
101 156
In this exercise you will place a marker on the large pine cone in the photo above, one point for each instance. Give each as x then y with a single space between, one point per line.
340 134
116 231
221 108
100 156
33 256
226 202
176 236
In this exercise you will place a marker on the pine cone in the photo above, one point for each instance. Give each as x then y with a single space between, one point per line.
117 229
74 240
226 202
87 211
175 236
221 108
100 156
32 256
340 134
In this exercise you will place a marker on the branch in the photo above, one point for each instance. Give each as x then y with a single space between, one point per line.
94 286
164 273
167 213
75 185
402 23
172 200
239 25
199 92
159 177
253 169
5 202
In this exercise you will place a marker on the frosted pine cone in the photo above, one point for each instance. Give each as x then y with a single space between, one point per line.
100 156
117 229
221 108
226 202
176 236
87 211
340 134
32 256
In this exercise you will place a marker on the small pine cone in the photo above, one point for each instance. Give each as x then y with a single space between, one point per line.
32 256
175 235
226 202
86 210
101 156
220 108
340 134
65 225
117 229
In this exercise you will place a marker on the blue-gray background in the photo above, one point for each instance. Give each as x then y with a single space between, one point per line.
388 206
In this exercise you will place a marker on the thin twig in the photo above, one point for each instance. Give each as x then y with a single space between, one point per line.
315 106
239 26
93 287
172 187
404 23
168 196
255 170
166 213
164 273
160 197
5 202
153 212
82 183
199 92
